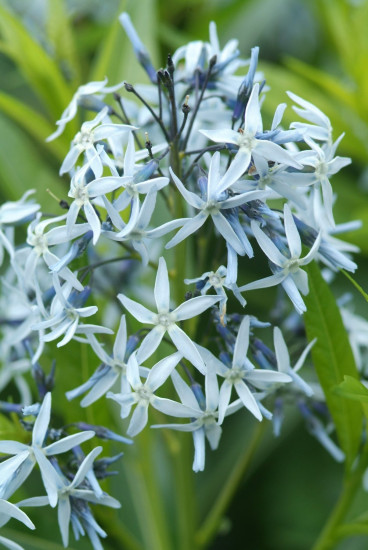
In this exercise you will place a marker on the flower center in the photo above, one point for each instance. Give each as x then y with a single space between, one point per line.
144 393
212 207
321 168
293 266
235 374
39 242
215 280
246 141
80 194
164 319
84 139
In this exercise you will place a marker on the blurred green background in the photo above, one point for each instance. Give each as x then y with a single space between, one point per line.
316 48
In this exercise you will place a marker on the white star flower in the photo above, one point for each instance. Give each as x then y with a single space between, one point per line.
21 465
166 321
247 142
287 271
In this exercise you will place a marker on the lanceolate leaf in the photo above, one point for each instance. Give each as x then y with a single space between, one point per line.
333 358
351 388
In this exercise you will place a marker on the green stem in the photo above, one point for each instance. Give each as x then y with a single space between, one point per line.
210 525
333 529
185 497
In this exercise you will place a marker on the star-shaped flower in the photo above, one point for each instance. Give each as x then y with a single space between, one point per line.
166 321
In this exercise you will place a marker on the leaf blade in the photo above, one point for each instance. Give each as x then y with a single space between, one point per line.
333 358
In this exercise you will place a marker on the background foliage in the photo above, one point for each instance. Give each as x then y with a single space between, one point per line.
316 48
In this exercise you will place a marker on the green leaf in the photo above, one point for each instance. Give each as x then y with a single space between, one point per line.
333 359
351 388
22 167
330 84
34 123
39 70
60 34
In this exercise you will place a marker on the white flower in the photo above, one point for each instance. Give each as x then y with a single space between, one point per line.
242 372
13 212
65 315
68 493
113 367
41 241
85 141
20 466
82 93
7 511
287 271
205 417
283 361
165 320
143 394
247 142
325 164
215 200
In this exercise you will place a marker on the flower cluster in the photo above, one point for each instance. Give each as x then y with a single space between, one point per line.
191 157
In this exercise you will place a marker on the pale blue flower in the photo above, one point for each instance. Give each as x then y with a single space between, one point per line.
166 321
203 411
215 200
287 271
69 492
242 373
83 92
217 281
143 394
20 466
8 511
113 367
13 212
247 142
283 361
91 132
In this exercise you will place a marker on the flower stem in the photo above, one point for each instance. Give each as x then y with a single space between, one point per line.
211 523
352 482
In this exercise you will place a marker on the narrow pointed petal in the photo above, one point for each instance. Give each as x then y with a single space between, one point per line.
189 227
138 311
248 399
42 422
139 419
162 287
185 345
242 342
150 343
120 341
162 370
199 450
268 246
100 388
292 234
85 467
228 233
50 477
194 306
190 197
224 400
282 353
67 443
300 361
252 117
294 295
